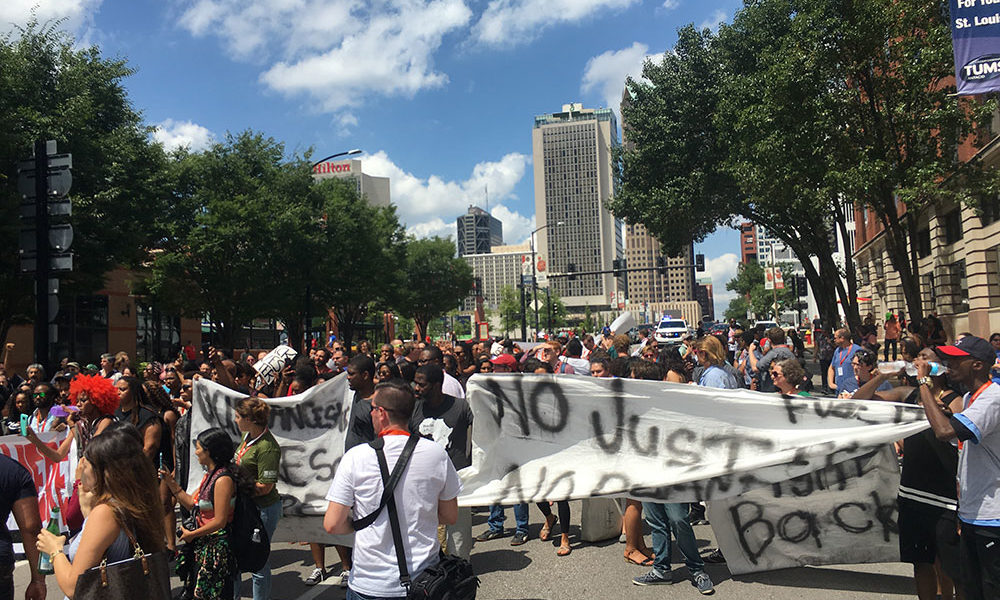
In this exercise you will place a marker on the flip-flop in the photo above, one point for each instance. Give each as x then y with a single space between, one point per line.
547 528
563 551
646 562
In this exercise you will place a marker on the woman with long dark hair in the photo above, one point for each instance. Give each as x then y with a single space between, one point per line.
207 566
136 408
122 487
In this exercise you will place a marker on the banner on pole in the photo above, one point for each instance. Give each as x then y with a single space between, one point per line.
975 37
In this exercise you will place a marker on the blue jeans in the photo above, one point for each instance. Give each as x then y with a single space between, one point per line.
352 595
262 579
664 518
497 517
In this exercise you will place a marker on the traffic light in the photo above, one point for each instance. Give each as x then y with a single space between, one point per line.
618 266
802 285
571 270
661 265
699 262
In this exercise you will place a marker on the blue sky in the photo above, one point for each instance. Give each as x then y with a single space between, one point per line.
440 94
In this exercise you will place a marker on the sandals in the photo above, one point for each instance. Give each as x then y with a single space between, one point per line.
547 528
647 561
563 551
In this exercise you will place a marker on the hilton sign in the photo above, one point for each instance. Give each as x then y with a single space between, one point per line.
333 167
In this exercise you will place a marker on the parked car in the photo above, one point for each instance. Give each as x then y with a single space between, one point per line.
671 330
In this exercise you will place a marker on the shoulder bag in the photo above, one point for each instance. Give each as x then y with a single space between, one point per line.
452 578
142 576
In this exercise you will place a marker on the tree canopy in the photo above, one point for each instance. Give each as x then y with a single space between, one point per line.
433 281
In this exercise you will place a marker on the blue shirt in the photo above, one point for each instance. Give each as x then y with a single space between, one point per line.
843 372
717 377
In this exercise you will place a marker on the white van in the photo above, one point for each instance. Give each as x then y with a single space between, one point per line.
670 330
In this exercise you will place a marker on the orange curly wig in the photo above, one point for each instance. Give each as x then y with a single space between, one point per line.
100 392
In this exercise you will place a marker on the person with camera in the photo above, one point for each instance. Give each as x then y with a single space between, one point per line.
425 495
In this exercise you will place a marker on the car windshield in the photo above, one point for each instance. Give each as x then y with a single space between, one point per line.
672 325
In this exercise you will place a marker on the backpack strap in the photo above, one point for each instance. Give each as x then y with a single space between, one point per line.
388 481
397 536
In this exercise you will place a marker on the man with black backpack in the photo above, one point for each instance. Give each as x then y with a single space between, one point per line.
397 545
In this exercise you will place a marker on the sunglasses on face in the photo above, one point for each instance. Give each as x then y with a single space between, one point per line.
186 387
775 374
38 395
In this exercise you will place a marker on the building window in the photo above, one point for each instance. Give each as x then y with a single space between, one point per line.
989 210
924 243
952 224
993 274
82 326
959 287
158 336
929 293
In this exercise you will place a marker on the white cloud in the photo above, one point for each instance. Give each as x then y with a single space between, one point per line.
605 73
718 18
430 206
507 22
671 4
517 228
722 269
335 53
176 134
78 14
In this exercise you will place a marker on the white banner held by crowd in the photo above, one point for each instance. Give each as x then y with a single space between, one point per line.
546 437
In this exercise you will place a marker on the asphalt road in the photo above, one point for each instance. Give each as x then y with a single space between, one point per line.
533 571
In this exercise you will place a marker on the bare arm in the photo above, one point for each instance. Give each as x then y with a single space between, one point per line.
223 494
448 511
56 455
831 379
26 516
337 519
867 391
183 497
102 529
151 439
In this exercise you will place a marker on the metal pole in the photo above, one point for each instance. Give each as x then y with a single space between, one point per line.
774 284
524 316
534 284
42 255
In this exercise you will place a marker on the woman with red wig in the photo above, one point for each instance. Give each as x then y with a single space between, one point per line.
96 401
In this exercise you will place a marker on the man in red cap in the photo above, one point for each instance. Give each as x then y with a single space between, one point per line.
977 428
504 363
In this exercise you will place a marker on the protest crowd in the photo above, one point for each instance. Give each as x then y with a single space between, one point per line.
129 428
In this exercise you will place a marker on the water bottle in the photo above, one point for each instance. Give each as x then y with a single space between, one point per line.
893 367
937 369
255 537
45 560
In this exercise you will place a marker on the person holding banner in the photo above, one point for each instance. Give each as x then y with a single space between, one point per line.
18 496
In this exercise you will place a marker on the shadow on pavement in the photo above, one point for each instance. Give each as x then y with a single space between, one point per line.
499 560
832 579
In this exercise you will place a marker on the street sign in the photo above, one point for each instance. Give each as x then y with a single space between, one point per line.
55 160
60 182
57 262
526 279
60 239
57 208
543 280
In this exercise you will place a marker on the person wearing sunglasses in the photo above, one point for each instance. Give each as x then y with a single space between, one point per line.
787 375
43 396
864 364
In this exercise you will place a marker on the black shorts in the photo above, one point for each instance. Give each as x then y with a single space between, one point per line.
928 533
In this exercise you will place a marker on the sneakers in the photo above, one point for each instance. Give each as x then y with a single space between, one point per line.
714 557
519 538
344 577
653 577
490 534
317 576
703 582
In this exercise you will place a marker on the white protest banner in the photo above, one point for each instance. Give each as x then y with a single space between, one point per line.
54 481
310 428
819 518
269 367
546 437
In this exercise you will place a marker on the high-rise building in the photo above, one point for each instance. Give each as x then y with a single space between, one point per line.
748 242
495 270
375 189
703 294
642 251
571 150
478 232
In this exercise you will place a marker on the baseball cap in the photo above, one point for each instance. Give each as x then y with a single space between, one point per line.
505 360
970 345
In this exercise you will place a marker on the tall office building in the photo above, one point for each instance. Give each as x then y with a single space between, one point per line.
495 270
642 251
703 294
478 232
571 150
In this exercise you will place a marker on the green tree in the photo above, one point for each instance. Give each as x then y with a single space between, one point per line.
738 309
749 282
432 282
510 309
589 325
552 313
240 236
50 88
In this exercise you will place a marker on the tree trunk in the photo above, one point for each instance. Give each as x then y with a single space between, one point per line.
848 297
421 324
900 257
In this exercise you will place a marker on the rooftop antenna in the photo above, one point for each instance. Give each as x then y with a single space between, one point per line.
487 187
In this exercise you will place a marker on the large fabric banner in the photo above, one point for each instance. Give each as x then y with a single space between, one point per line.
310 428
548 437
975 36
545 437
840 514
54 481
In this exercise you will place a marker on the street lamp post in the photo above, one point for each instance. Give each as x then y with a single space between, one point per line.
534 283
308 315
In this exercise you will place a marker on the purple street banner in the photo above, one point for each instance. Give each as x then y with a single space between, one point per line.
975 36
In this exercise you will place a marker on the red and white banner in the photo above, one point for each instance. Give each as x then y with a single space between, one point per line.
54 481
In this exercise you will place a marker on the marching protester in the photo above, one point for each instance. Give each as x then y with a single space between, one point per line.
840 376
969 361
19 498
788 377
428 488
134 407
447 420
778 350
259 457
124 505
207 564
927 498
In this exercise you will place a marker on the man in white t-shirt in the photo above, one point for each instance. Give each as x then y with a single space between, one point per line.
426 495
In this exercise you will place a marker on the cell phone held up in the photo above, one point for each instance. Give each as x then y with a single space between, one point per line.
24 424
